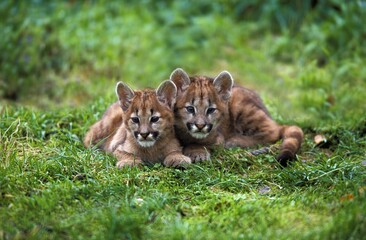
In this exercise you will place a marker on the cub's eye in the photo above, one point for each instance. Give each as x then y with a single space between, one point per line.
210 110
190 109
154 119
135 119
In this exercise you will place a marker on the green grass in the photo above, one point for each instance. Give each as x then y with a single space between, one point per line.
51 187
309 69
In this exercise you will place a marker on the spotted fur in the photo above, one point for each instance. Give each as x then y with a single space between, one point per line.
138 129
241 118
200 108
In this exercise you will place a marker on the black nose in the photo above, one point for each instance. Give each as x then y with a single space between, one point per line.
200 126
144 135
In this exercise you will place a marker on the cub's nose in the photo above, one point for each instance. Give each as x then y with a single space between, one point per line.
144 135
200 126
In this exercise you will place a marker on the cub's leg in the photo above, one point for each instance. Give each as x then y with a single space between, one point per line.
262 131
94 136
292 137
242 141
125 159
176 159
101 132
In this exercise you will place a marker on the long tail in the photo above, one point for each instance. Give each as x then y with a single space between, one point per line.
292 138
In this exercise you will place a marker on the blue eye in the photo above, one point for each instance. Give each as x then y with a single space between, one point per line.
135 119
210 110
154 119
190 109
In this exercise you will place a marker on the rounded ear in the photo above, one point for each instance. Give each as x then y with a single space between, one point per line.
223 84
166 93
180 78
124 94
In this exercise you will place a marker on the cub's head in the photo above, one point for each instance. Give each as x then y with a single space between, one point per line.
201 102
148 113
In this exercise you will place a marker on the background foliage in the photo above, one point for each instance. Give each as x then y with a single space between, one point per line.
60 61
66 52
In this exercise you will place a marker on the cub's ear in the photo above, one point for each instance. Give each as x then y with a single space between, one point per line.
223 84
167 92
124 94
180 78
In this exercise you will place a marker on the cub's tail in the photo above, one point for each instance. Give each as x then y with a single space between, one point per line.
292 138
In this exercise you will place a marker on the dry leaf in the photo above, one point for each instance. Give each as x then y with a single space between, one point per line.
348 197
320 140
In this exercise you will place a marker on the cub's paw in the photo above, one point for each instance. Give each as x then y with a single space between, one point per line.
129 162
285 157
197 153
177 161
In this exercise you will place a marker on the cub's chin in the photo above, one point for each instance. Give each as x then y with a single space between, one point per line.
146 144
199 135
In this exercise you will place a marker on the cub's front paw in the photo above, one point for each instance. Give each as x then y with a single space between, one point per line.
197 153
177 160
129 162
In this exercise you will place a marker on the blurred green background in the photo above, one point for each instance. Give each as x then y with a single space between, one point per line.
305 58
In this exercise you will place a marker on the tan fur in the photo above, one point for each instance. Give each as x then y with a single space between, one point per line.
242 120
138 129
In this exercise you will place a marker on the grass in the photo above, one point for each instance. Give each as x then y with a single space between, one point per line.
51 187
